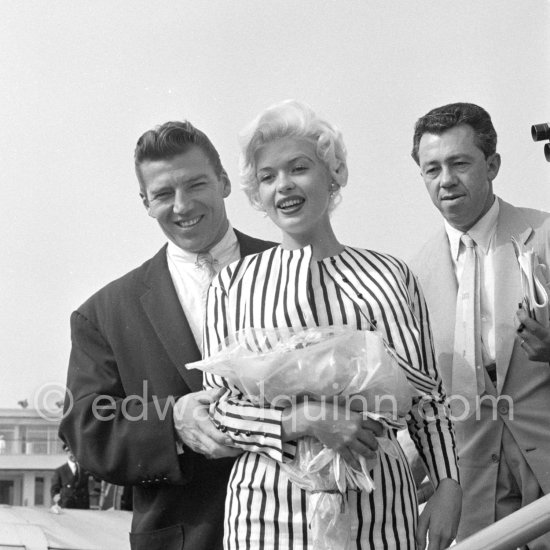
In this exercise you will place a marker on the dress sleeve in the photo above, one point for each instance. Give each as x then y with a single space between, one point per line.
252 427
429 424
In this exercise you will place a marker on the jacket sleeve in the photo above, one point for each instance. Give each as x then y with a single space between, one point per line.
123 439
56 485
252 427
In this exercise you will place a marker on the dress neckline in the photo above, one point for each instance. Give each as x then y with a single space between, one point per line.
308 251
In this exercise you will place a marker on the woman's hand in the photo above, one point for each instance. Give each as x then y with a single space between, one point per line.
336 427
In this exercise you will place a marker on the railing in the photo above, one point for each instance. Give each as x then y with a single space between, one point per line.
517 529
31 447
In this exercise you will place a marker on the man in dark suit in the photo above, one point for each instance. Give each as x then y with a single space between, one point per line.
134 414
70 484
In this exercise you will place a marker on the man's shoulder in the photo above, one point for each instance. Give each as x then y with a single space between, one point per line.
129 284
538 219
252 245
422 258
61 468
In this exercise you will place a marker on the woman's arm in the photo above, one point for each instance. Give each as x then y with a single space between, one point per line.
272 431
430 425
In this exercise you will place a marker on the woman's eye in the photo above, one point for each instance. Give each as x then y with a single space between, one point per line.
265 178
299 168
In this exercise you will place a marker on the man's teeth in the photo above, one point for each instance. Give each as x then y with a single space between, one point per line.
189 223
290 203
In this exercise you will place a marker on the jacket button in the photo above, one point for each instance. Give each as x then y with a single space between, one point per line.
248 434
237 432
503 409
223 429
494 458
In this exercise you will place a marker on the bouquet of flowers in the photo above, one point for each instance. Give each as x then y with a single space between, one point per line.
281 366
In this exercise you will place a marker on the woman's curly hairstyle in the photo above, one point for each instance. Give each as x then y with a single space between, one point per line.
291 119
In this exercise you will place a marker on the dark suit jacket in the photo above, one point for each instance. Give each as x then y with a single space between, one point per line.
128 342
73 489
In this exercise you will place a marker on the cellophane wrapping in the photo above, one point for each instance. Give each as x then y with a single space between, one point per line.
281 367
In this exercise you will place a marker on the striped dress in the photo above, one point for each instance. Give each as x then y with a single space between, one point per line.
279 287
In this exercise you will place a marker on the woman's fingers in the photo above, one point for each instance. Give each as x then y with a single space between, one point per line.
375 427
363 449
368 438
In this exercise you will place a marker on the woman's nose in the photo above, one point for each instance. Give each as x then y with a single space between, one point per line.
284 181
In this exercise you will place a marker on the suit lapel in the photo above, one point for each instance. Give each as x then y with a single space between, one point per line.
507 284
441 280
249 245
163 308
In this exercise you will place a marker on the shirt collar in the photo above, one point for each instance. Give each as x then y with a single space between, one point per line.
482 232
220 251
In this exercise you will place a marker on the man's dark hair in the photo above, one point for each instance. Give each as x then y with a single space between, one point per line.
171 139
441 119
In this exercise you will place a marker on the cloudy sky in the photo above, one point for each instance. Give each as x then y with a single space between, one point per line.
80 81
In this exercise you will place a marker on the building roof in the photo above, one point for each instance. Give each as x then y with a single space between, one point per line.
51 416
31 462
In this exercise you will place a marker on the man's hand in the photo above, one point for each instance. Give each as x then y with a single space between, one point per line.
440 517
535 339
195 429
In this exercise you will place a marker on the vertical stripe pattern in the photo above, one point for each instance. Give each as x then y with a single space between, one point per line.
358 288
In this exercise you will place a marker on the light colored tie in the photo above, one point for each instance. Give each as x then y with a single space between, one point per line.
467 342
207 263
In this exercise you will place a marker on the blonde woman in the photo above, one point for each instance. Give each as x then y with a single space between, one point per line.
293 168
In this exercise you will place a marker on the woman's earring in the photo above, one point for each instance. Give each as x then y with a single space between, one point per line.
333 189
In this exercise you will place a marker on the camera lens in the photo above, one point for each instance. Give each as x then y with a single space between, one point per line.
540 131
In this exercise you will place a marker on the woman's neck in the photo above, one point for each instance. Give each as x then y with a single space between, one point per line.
322 245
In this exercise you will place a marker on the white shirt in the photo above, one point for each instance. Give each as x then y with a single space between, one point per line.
72 466
483 234
192 282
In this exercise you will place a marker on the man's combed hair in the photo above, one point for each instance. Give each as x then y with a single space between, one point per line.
441 119
174 138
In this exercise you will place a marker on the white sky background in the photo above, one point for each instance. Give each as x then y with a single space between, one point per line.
80 81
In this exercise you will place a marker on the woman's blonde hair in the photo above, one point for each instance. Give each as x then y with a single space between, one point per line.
289 119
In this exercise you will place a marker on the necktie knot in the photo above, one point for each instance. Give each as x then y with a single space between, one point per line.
206 263
467 241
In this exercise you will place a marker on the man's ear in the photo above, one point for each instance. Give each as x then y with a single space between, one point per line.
226 184
145 202
493 166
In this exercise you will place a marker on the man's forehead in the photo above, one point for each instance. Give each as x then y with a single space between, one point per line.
456 141
184 167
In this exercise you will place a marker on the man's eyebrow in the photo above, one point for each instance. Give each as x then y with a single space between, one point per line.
460 156
195 178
